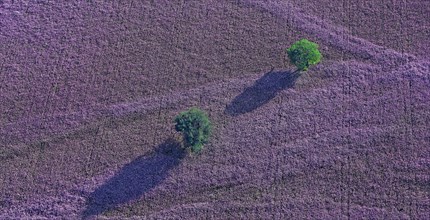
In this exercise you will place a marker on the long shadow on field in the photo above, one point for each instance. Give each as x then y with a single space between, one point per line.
263 90
135 179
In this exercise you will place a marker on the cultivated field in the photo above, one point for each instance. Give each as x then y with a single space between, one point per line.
89 90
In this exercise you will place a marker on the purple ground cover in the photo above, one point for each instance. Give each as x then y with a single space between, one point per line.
89 90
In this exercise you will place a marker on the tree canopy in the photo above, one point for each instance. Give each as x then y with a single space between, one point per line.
304 53
195 126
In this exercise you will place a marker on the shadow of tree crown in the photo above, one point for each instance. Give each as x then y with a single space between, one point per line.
135 179
263 90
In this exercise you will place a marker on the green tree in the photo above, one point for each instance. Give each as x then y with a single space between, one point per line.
195 127
304 53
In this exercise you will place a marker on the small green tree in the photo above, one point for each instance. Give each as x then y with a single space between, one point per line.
304 53
195 127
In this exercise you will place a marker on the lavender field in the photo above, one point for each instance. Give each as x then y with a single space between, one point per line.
89 91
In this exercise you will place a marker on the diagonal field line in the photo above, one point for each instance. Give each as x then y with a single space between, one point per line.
330 34
29 129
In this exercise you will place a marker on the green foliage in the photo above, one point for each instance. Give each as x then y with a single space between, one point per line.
195 126
304 53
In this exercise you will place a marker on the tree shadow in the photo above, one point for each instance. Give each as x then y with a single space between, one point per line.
263 90
135 179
